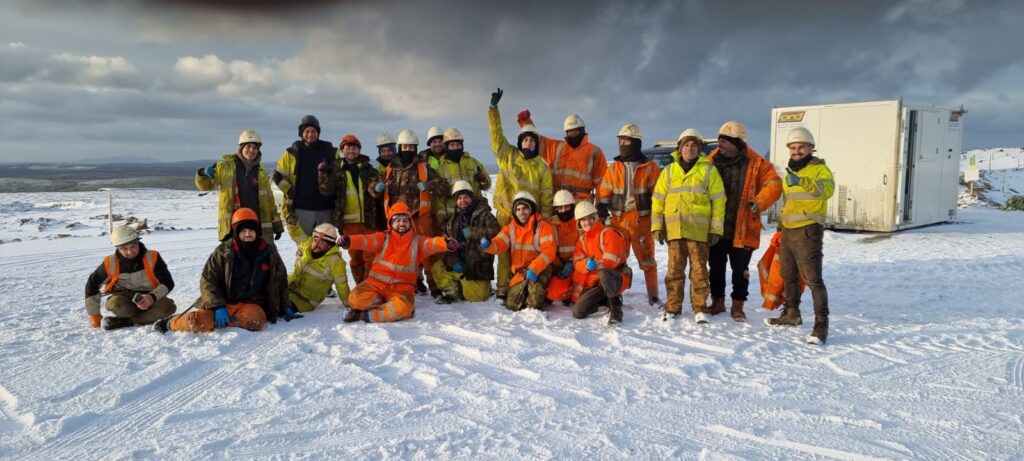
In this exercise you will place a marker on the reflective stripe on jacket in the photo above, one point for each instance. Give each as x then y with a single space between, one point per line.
466 170
398 257
516 173
769 272
225 179
607 246
807 203
567 233
113 267
533 246
762 185
614 188
312 278
689 204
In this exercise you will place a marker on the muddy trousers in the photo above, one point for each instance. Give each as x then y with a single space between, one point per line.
243 315
529 294
609 285
455 285
504 273
637 231
680 252
121 306
800 256
381 304
739 260
424 226
359 261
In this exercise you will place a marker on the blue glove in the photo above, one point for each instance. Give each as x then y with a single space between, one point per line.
422 186
531 276
792 179
466 232
290 314
210 171
221 317
566 271
379 187
592 264
459 267
484 243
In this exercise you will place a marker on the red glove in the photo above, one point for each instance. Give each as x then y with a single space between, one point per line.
343 241
94 320
523 117
453 245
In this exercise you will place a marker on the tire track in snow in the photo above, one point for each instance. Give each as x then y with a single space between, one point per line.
147 404
790 445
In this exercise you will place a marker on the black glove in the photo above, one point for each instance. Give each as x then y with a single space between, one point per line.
659 235
495 97
602 211
713 239
277 235
272 318
343 241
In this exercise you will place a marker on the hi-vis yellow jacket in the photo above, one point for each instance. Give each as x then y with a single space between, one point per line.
807 202
689 205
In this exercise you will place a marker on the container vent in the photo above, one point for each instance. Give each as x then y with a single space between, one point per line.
841 209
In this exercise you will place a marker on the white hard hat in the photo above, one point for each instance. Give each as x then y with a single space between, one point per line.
564 197
630 130
799 134
573 121
584 209
690 133
733 129
326 231
524 195
408 137
452 134
461 185
434 132
529 128
249 135
385 138
123 234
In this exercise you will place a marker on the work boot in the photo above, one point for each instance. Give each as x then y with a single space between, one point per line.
668 314
615 310
737 311
354 315
790 317
820 331
421 287
654 301
717 306
436 294
113 323
161 326
445 299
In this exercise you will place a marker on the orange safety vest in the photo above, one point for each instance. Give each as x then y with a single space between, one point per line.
578 170
567 233
112 265
424 208
533 246
769 272
610 249
398 257
613 187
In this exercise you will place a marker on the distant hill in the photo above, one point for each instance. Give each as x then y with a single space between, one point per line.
85 176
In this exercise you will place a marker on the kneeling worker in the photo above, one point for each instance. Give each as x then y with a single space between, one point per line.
533 245
319 265
137 281
466 273
387 294
601 271
244 283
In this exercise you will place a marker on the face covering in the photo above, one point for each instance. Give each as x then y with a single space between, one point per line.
630 152
566 215
797 165
454 154
407 157
575 141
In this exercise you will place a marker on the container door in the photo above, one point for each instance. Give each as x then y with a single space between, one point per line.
909 157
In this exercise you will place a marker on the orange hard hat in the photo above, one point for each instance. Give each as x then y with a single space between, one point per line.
398 208
350 139
243 214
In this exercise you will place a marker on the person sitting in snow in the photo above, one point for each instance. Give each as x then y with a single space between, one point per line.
244 283
533 247
319 264
137 281
466 273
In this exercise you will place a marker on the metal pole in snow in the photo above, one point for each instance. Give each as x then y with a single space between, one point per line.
110 213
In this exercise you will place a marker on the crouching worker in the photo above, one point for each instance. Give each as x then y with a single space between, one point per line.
137 281
466 273
601 271
244 283
564 224
388 292
319 265
532 241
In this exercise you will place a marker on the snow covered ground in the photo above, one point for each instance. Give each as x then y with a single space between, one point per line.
925 360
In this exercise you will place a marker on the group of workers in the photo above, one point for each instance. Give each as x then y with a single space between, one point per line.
562 227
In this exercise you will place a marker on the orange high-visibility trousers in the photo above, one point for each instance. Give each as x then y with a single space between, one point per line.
637 231
359 261
559 289
243 315
383 304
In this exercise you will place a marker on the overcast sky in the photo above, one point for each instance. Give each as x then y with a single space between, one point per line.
180 80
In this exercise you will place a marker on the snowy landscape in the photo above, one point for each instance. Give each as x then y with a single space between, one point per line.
924 360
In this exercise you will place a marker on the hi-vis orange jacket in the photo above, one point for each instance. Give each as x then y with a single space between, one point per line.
613 188
566 233
533 246
769 272
398 256
760 184
578 170
607 246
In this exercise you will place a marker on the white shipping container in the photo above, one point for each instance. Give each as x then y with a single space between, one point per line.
896 166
